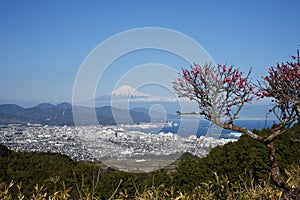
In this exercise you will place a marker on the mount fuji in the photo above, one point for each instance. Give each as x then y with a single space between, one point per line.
128 93
127 97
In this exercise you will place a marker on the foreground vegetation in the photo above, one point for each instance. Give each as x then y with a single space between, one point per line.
222 188
238 170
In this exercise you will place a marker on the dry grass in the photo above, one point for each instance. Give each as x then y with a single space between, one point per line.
221 188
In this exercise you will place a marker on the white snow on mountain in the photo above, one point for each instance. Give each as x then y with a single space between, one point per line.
126 92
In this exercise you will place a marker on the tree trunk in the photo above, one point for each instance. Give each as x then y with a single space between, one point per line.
287 191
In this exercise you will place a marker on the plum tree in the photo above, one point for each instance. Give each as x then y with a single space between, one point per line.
221 93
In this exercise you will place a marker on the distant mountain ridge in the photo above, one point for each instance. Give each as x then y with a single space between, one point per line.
61 114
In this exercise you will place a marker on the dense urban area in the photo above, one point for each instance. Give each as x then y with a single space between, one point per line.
125 144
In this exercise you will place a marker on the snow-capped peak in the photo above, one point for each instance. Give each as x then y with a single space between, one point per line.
126 90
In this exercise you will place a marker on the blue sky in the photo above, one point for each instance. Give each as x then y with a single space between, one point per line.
43 43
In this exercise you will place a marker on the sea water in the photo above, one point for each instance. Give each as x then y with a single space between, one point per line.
199 128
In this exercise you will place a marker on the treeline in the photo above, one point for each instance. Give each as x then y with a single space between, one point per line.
243 162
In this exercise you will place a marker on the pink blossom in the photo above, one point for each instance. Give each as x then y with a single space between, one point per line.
224 68
195 71
185 72
226 80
